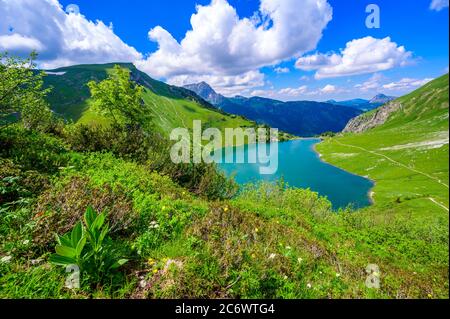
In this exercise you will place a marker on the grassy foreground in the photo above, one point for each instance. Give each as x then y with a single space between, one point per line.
268 242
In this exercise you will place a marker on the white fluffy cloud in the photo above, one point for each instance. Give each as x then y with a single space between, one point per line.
61 39
229 85
371 84
327 89
438 5
406 84
223 45
294 91
360 56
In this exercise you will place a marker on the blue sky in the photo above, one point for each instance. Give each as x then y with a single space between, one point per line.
311 66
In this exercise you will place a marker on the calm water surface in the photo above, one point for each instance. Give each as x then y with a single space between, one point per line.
301 166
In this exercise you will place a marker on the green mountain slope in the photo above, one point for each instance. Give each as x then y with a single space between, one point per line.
171 106
407 156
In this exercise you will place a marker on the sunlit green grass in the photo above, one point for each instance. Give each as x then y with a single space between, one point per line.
423 119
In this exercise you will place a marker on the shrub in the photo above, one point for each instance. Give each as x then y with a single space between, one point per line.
17 185
59 208
129 142
150 148
33 150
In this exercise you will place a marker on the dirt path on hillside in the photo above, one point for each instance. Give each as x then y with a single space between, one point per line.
404 166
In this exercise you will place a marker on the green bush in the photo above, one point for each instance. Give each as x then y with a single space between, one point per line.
33 150
59 208
151 149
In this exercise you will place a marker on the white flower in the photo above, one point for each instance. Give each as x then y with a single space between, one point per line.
5 259
288 247
142 283
26 242
272 256
154 225
309 286
338 275
300 260
36 261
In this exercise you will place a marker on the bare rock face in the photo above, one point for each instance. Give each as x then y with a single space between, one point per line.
373 119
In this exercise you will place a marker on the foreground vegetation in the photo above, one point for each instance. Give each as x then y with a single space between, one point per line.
139 226
267 242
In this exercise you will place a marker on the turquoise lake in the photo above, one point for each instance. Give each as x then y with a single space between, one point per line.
301 167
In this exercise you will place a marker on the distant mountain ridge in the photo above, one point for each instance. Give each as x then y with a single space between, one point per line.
365 105
204 90
302 118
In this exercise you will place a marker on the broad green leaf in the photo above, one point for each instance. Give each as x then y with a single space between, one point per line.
65 240
61 260
89 216
77 233
66 251
80 246
118 263
99 221
103 234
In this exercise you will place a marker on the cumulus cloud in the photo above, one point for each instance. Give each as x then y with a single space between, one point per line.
438 5
229 85
373 83
304 92
406 84
60 38
360 56
328 89
221 44
294 91
378 83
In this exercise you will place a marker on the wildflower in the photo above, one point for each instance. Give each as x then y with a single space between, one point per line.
151 262
25 242
225 209
272 256
142 283
288 247
155 271
300 260
35 262
285 277
338 275
309 286
256 230
154 225
6 259
430 296
253 256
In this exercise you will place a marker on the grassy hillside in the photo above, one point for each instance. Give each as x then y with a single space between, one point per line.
171 106
407 156
267 242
